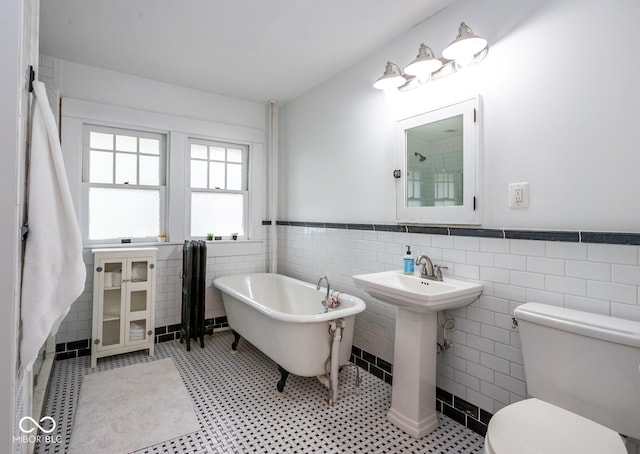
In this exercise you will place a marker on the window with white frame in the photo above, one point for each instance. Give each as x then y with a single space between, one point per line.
219 188
124 172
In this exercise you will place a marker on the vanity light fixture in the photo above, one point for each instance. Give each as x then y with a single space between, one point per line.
393 77
465 47
465 50
424 64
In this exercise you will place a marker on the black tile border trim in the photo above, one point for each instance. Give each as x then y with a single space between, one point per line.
610 238
68 350
377 366
389 228
484 233
469 415
569 236
543 235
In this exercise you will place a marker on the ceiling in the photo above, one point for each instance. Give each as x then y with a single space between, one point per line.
249 49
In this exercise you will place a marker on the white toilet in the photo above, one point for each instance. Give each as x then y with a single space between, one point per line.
583 373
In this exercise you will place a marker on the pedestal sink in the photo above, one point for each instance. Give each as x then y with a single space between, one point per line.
417 301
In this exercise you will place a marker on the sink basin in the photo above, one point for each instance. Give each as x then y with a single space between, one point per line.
417 294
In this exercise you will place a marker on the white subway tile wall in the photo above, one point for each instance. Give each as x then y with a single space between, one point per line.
77 325
485 365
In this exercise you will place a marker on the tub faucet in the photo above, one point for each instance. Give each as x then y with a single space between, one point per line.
326 301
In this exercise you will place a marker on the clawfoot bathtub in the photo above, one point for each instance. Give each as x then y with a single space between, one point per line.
286 320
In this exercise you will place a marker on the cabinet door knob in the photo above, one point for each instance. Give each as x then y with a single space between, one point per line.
99 269
152 266
149 333
97 341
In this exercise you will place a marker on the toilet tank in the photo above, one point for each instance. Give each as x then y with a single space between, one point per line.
586 363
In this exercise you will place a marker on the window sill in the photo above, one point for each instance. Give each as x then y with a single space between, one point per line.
215 248
127 245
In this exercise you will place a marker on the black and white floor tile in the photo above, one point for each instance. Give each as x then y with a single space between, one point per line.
235 400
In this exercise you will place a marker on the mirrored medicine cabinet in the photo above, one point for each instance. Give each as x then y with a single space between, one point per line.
437 154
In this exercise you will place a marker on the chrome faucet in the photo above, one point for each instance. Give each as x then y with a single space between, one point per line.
326 301
429 270
427 267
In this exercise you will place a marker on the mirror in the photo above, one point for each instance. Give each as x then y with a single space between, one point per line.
434 164
437 153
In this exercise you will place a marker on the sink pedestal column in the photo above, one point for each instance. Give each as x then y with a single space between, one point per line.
413 396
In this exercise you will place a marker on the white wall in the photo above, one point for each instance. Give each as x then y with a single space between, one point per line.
18 50
560 96
560 92
10 121
114 88
124 100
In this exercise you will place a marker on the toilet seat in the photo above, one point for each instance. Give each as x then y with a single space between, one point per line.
533 426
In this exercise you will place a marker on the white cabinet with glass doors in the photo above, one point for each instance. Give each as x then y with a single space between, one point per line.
124 284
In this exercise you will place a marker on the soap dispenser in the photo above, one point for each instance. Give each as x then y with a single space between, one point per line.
407 262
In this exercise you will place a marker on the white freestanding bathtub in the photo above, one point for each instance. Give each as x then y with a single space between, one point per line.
285 319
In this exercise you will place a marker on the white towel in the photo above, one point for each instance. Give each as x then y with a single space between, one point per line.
54 272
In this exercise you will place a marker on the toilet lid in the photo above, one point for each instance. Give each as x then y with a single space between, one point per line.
533 426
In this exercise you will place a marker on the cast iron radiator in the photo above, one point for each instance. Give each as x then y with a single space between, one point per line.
194 272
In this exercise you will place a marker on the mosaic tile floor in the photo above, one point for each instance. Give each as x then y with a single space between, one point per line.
236 404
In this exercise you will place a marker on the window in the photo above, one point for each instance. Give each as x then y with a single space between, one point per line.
413 187
219 188
124 171
141 200
445 189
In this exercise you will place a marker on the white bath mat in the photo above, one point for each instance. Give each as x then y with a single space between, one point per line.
129 408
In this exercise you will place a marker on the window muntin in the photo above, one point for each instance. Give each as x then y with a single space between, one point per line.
219 188
118 156
125 174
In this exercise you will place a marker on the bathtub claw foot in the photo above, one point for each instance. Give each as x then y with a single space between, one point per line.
331 400
236 339
283 379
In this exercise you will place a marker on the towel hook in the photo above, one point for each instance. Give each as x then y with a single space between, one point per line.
32 77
